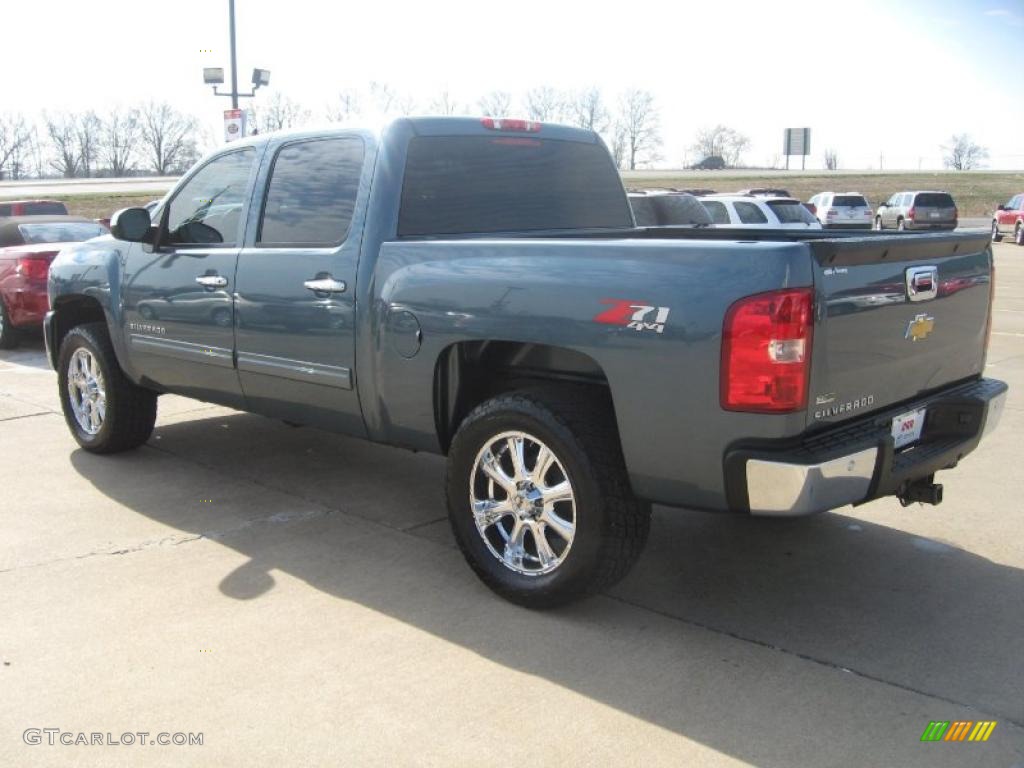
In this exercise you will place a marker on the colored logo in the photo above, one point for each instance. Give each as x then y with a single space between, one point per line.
958 730
920 327
634 314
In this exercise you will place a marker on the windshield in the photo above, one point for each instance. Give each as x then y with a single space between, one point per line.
60 232
792 212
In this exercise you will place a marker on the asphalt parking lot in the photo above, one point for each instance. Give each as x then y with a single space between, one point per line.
296 597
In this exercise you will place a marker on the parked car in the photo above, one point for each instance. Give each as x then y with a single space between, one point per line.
32 208
668 209
1009 220
917 210
842 210
484 293
27 246
758 212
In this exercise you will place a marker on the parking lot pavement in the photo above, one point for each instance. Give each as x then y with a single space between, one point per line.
296 597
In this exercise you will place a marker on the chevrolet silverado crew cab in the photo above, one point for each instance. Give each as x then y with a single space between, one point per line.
479 288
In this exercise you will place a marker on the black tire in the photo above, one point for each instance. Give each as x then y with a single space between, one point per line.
900 225
996 237
611 525
9 336
1018 234
878 224
130 409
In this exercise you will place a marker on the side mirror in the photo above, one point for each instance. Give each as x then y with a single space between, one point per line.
131 224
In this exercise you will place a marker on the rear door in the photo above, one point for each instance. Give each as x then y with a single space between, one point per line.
934 209
1008 216
295 300
850 210
178 309
897 317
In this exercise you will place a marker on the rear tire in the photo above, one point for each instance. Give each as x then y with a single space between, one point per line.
1018 234
878 224
900 225
9 336
996 237
104 410
589 537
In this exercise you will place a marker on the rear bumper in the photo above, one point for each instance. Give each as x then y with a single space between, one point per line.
848 225
27 303
857 461
923 225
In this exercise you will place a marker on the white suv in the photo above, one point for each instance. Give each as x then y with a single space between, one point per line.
758 212
842 210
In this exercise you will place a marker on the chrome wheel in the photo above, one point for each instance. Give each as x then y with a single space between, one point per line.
86 391
523 503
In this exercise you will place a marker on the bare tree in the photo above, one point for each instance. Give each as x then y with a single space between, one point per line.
445 104
962 154
344 107
118 138
496 104
87 130
586 109
638 119
15 134
62 130
831 159
278 113
388 100
167 137
618 146
545 104
722 142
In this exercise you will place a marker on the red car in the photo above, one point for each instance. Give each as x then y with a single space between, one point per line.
32 208
27 246
1009 220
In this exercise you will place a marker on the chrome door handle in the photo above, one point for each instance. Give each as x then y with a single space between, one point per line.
212 281
326 285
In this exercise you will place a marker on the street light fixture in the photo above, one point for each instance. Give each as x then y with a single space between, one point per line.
215 75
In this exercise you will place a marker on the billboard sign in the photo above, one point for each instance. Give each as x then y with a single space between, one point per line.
797 141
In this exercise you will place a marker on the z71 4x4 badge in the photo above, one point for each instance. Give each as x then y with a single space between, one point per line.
634 314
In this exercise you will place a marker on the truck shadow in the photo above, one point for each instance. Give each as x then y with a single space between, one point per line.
916 613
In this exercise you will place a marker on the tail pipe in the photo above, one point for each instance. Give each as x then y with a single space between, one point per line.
924 491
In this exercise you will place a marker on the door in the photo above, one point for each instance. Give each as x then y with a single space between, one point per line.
178 309
1007 217
295 302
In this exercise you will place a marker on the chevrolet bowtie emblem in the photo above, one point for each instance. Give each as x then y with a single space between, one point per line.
920 327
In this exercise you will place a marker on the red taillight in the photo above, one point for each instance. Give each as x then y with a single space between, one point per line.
956 213
911 214
766 352
33 268
510 125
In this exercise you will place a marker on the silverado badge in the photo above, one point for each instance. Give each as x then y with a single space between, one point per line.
920 327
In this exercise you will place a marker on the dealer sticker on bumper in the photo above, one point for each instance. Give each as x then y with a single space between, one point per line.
906 428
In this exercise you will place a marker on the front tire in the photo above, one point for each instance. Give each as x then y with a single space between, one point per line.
9 336
539 499
104 410
878 223
996 237
1018 234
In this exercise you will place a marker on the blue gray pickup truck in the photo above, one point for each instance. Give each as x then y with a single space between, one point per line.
479 289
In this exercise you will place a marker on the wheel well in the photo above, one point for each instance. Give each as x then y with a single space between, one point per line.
72 311
470 372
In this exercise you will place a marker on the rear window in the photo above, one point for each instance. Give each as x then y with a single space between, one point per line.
60 232
717 211
791 212
849 201
934 200
44 209
476 184
643 211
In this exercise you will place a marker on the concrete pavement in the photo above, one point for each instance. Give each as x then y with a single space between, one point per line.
296 597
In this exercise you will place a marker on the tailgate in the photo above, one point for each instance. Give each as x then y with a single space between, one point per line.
897 317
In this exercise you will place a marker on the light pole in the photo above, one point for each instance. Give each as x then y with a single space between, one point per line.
215 75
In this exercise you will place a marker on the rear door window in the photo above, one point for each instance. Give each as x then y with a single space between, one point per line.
717 210
791 212
508 183
749 213
643 211
849 201
312 193
680 210
934 200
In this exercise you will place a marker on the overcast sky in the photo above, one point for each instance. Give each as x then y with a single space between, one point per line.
868 77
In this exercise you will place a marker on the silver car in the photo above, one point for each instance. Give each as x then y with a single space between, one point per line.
917 210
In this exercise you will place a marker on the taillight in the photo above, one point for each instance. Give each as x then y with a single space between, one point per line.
869 213
956 213
911 214
831 212
510 125
766 352
33 269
